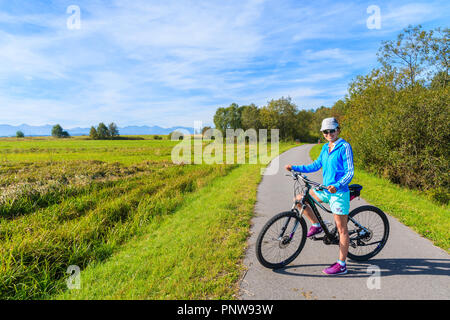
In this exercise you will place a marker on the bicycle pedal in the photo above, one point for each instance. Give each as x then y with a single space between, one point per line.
316 238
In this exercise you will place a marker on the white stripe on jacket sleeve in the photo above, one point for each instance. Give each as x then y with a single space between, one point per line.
350 169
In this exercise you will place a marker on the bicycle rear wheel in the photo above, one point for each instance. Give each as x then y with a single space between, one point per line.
369 232
281 240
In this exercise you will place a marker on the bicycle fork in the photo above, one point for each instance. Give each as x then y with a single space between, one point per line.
283 230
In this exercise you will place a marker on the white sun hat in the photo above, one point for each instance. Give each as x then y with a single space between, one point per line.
329 123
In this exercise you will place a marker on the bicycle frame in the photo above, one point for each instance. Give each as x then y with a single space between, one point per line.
307 199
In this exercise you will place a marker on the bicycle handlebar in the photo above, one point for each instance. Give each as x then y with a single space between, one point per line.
296 175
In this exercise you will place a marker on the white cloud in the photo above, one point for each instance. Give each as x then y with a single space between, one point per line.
173 62
396 17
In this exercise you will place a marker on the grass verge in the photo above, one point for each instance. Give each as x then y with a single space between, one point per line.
195 253
410 207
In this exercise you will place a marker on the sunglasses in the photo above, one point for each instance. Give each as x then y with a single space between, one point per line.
329 131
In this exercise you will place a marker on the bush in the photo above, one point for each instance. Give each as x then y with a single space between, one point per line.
400 133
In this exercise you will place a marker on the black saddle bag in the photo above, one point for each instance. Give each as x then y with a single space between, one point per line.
355 190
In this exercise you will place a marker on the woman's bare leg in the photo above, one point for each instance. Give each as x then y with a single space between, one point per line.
344 239
308 211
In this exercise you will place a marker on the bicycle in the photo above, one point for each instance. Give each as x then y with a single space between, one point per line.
276 245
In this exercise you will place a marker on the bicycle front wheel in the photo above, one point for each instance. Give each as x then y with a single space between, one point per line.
281 240
368 229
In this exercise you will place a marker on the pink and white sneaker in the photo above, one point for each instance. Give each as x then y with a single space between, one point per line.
313 231
335 269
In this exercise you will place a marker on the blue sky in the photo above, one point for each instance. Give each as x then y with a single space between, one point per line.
170 63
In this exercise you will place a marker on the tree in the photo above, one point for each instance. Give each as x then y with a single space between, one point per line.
220 120
19 134
205 129
175 134
417 55
440 80
65 134
281 114
113 130
303 128
407 54
102 131
440 55
250 117
233 116
93 133
228 118
58 132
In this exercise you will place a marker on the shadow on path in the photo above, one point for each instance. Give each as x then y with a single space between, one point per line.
388 267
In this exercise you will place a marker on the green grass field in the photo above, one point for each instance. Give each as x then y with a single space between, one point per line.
412 208
81 148
119 206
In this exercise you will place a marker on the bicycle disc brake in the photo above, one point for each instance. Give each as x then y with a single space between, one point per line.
364 235
284 242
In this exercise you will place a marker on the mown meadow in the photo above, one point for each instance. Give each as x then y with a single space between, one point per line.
77 201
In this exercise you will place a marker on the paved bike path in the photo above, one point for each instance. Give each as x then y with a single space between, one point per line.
410 266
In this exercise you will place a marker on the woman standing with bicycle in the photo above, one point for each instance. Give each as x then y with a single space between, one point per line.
336 160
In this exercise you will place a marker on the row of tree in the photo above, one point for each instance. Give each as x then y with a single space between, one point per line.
282 114
57 132
104 132
101 132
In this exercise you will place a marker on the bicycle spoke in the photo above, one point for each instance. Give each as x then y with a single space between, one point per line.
275 249
367 231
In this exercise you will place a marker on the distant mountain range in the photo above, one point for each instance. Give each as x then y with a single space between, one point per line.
46 130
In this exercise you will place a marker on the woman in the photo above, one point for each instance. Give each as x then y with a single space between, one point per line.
336 160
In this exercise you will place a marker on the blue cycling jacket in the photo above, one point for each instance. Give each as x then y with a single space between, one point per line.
337 165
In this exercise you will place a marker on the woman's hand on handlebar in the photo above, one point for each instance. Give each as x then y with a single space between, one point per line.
288 167
332 189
